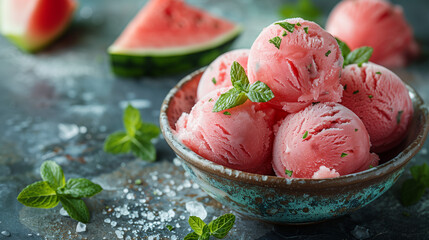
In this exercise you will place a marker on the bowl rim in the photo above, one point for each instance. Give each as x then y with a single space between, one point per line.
385 169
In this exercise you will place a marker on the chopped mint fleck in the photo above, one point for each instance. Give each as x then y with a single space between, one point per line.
226 113
211 99
379 73
343 154
355 92
288 172
356 129
370 166
305 135
284 34
287 26
276 41
298 24
370 96
398 117
345 87
314 103
306 30
214 80
170 228
327 53
138 182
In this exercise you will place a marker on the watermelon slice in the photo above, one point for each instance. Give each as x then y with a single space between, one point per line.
167 37
33 24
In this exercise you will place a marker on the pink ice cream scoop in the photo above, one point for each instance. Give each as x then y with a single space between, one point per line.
240 138
375 23
381 100
300 67
324 140
217 74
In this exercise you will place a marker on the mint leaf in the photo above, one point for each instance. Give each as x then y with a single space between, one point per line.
306 30
143 148
276 41
287 26
305 135
38 195
343 154
214 81
421 173
76 209
260 92
53 174
288 172
398 117
239 78
206 233
345 50
227 113
80 188
169 227
303 9
196 224
359 56
220 227
148 131
327 53
411 192
132 120
192 236
118 142
230 99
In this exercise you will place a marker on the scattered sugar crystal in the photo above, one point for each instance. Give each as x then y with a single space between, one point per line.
177 162
67 131
81 227
113 223
107 220
195 186
63 212
187 184
130 196
150 216
424 151
5 233
126 190
361 232
119 234
182 217
174 237
196 209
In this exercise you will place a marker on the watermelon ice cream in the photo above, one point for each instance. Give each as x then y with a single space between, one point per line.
299 61
381 100
225 137
324 140
375 23
217 74
32 25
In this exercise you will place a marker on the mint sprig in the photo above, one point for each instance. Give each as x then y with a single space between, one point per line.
303 9
358 56
217 228
242 90
54 189
136 138
413 189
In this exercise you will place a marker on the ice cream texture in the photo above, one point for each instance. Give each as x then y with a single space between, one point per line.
240 138
324 140
217 74
299 61
375 23
380 98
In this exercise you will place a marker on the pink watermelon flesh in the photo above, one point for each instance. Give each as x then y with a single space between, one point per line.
171 23
42 21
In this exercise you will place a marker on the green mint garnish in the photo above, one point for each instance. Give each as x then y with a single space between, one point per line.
356 129
345 87
302 8
414 188
379 73
345 50
287 26
211 99
370 166
214 80
288 172
327 53
343 154
169 227
54 189
242 90
276 41
217 228
305 135
314 103
359 56
138 182
136 139
226 113
306 30
284 34
356 92
298 24
370 96
398 117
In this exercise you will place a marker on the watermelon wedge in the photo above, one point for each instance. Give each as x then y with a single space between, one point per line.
33 24
169 36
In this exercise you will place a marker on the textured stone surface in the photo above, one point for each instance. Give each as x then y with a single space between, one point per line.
60 104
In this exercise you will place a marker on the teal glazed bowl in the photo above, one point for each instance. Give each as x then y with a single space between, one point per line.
288 201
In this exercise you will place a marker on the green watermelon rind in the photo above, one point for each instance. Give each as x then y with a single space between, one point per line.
126 63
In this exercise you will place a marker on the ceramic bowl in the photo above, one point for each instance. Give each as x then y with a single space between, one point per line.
288 201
